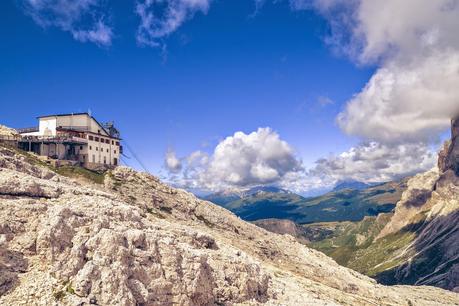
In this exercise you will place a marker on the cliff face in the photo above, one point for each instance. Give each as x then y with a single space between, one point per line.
429 212
136 241
449 156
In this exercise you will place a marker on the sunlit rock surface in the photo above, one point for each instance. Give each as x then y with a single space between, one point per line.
137 241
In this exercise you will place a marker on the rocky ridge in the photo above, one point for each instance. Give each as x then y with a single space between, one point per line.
6 131
429 209
137 241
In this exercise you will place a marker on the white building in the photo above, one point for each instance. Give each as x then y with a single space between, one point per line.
74 137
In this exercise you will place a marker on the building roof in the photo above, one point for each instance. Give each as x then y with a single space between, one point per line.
78 114
65 115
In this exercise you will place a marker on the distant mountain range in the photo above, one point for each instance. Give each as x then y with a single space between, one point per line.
350 201
351 184
224 197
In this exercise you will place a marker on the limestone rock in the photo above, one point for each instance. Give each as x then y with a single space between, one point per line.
137 241
449 155
429 208
6 131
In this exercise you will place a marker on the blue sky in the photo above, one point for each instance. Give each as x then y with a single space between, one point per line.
220 72
224 72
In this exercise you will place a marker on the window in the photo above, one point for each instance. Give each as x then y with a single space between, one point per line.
107 141
81 147
107 151
97 139
117 143
90 147
115 161
97 149
113 142
114 151
98 131
105 160
91 138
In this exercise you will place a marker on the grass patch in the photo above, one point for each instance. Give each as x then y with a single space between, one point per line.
80 172
29 158
67 171
69 289
352 244
381 254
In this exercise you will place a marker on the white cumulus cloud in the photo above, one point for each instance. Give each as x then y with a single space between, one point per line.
407 102
263 158
412 94
241 160
172 163
374 162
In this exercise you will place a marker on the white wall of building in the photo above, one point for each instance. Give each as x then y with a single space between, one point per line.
47 126
101 152
100 149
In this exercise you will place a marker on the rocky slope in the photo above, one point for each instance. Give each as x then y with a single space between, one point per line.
280 226
418 244
136 241
429 213
6 131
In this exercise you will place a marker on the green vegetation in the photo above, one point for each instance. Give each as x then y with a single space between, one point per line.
80 172
354 245
342 240
68 171
29 158
70 289
342 205
381 255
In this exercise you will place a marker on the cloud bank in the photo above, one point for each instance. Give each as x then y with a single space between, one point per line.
263 158
374 162
413 94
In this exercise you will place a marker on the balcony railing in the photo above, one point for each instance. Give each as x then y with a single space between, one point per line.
75 128
28 130
61 138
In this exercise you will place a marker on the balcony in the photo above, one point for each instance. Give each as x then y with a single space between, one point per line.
61 138
28 130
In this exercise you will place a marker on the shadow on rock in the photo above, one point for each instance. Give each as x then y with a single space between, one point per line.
436 255
11 264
